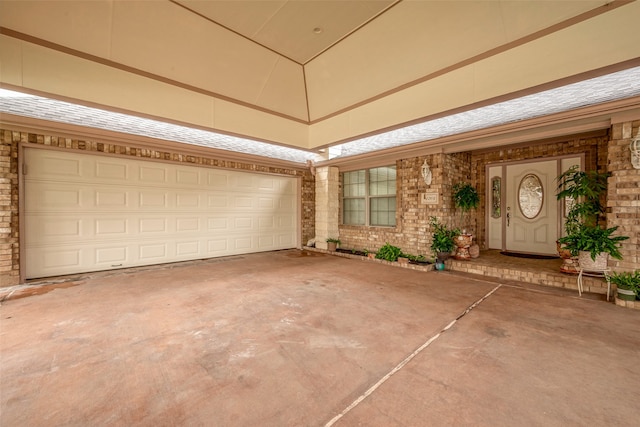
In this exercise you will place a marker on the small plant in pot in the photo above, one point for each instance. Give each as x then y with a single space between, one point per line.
627 284
594 243
333 243
443 239
465 198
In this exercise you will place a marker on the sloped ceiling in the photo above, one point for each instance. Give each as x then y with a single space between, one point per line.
305 73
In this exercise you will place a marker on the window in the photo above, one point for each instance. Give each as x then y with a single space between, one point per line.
369 197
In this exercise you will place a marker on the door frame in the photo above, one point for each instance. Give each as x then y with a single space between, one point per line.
503 192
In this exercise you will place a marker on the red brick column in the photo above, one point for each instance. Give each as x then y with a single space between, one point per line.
9 246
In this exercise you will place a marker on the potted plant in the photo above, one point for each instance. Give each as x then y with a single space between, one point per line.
465 198
586 238
627 284
443 239
332 244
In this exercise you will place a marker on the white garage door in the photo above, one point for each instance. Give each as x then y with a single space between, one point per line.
89 212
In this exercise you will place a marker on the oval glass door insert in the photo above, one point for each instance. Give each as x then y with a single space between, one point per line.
530 196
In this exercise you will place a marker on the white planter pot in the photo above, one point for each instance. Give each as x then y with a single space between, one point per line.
588 264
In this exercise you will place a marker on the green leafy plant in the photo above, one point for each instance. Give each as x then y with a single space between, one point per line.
389 252
595 240
465 198
584 233
584 190
415 258
334 240
627 280
443 236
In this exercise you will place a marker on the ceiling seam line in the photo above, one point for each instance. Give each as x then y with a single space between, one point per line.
234 32
364 24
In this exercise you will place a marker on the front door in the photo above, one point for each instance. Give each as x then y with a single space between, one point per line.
523 214
531 207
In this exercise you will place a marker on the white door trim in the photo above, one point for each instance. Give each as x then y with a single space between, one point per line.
503 194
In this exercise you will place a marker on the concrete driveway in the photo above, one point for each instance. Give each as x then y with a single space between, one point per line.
297 338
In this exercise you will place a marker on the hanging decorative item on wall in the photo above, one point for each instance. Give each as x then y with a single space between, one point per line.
635 151
429 198
426 173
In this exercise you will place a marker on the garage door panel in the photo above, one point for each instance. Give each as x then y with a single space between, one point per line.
51 229
266 203
285 239
152 251
111 199
57 166
243 223
242 243
217 180
152 225
243 202
64 258
153 200
50 196
187 200
188 224
188 248
112 256
187 177
216 246
153 174
266 222
87 212
217 224
112 170
243 182
110 227
217 201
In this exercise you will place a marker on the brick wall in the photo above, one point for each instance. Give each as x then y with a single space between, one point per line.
623 198
412 233
9 244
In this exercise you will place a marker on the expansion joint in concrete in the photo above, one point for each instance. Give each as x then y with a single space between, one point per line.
408 359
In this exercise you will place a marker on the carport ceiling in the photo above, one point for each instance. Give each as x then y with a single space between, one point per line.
309 74
296 29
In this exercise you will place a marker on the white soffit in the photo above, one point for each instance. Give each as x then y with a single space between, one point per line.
38 107
611 87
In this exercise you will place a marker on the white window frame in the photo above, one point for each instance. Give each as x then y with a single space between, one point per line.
368 197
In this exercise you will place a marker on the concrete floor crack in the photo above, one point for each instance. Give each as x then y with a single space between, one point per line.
407 359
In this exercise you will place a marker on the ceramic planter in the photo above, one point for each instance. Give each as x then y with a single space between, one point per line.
625 294
463 241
